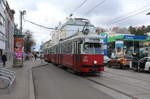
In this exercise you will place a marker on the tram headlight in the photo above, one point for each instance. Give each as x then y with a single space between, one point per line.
95 62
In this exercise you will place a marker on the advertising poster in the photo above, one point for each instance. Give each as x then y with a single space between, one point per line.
18 48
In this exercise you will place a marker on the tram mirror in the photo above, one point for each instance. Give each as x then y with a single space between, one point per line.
86 31
86 46
80 41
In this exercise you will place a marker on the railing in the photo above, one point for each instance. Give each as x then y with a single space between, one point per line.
7 78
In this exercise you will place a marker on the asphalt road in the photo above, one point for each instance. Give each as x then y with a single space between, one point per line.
133 84
54 83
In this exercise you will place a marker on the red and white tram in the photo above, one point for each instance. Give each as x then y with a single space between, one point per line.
80 53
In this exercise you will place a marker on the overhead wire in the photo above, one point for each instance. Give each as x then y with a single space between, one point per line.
95 7
45 26
128 14
80 5
39 25
118 21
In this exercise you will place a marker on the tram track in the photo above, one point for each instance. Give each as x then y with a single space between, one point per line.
136 78
117 76
104 85
131 96
111 88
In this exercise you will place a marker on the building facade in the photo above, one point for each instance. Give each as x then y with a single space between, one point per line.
46 45
6 29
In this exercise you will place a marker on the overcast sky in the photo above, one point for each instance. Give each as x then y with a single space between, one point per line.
50 12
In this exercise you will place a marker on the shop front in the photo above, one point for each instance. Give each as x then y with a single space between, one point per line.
137 44
119 45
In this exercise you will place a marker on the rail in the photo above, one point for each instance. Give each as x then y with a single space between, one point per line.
7 78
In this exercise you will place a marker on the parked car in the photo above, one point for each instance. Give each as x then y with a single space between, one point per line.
120 62
144 64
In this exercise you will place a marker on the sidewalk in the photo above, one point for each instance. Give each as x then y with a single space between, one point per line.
23 89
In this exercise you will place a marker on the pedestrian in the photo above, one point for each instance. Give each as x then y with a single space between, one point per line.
35 56
4 59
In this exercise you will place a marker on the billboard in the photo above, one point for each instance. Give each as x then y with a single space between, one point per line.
18 50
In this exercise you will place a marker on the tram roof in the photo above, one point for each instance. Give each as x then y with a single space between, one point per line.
81 37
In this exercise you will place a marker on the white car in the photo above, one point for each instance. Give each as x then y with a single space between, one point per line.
144 64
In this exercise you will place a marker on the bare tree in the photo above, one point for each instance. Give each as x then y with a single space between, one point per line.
120 30
28 41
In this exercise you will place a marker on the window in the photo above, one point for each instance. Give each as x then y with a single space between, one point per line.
143 60
148 60
91 48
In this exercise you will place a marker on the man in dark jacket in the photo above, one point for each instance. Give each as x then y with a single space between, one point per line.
4 59
35 56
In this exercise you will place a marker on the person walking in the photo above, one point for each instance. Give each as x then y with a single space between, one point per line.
35 56
4 59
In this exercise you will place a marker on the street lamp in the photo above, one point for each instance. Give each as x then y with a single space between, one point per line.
148 48
22 13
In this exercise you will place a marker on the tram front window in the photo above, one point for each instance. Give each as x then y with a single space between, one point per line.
91 48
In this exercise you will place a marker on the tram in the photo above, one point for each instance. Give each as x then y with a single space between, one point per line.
81 54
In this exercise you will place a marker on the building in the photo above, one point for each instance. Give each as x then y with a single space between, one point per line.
46 45
2 28
71 27
6 29
127 44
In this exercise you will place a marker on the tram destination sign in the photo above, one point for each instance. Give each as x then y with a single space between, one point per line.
94 40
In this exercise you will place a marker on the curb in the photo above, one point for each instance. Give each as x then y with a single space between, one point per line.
31 83
31 86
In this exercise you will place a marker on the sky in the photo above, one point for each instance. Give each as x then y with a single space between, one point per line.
122 13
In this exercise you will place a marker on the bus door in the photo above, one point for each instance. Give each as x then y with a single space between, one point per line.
76 57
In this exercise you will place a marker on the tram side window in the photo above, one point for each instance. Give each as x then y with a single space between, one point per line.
69 48
55 50
52 50
49 51
59 50
66 48
63 49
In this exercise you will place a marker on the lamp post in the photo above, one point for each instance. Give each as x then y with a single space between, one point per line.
18 44
148 48
22 13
